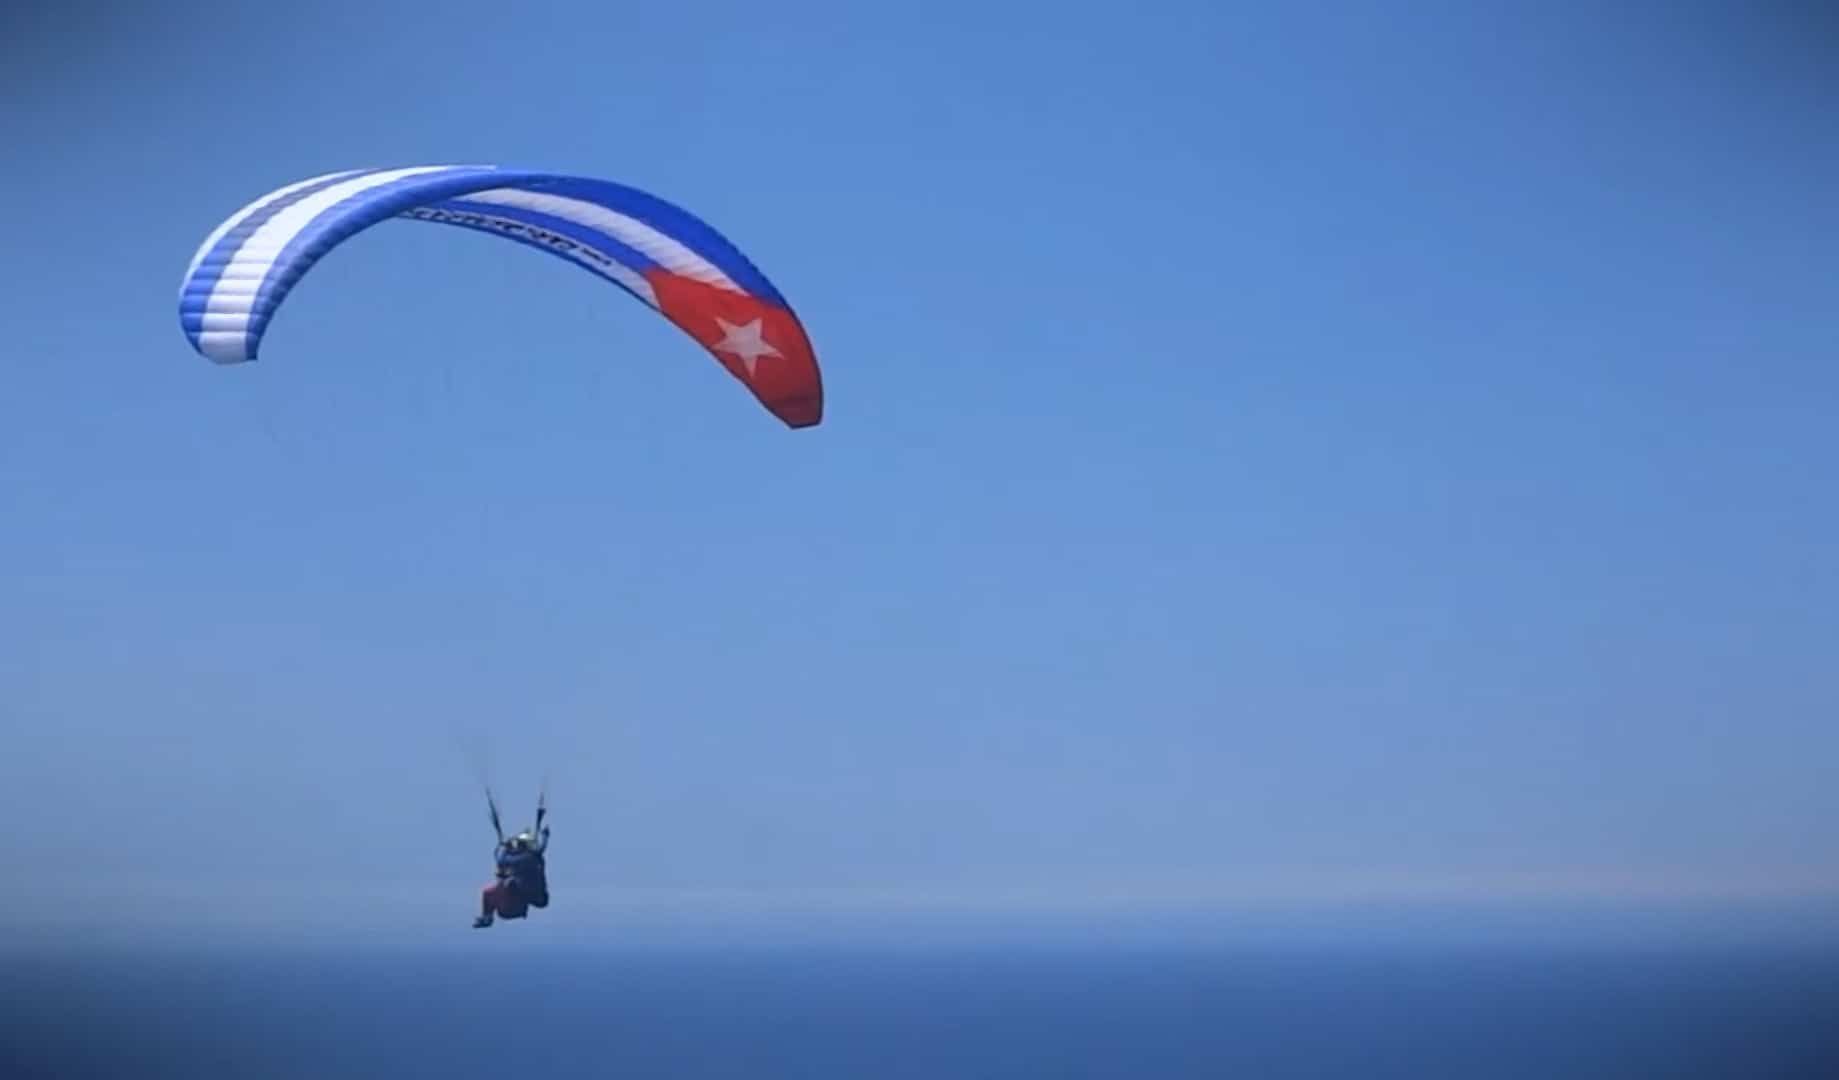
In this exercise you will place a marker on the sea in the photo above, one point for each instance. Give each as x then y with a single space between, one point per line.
491 1006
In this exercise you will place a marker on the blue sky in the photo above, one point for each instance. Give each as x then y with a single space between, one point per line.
1269 454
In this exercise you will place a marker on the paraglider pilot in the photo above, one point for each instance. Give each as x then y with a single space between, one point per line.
521 880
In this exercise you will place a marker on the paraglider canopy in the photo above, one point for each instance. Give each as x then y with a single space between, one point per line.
663 255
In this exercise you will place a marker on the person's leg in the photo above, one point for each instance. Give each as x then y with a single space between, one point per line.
488 904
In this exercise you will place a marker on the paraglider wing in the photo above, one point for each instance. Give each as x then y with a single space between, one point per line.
660 253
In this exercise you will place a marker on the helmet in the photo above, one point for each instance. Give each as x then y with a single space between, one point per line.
523 841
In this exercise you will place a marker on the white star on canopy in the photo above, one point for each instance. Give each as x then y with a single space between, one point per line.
745 342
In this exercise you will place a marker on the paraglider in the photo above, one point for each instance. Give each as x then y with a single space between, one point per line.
520 879
661 254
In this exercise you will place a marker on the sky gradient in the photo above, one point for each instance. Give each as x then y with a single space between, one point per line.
1268 454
